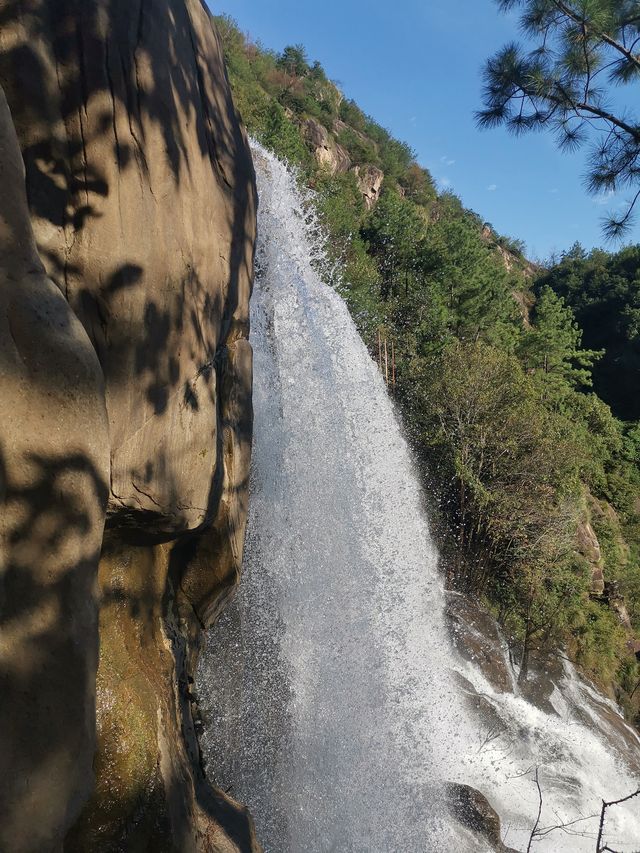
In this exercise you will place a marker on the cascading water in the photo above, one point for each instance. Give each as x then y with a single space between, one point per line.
327 683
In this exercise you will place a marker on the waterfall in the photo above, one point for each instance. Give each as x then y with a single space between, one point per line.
328 686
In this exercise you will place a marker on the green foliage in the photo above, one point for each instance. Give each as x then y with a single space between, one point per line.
604 292
394 233
580 47
293 60
245 66
281 135
418 185
512 245
552 344
361 149
598 644
271 89
395 157
340 204
351 114
514 460
476 286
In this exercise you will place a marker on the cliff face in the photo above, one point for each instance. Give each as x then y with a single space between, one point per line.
126 272
54 472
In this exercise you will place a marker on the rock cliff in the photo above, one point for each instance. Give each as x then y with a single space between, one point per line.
328 154
125 276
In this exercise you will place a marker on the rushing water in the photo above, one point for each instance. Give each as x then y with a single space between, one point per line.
328 683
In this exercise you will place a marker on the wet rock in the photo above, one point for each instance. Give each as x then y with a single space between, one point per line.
595 711
475 636
490 725
472 809
545 676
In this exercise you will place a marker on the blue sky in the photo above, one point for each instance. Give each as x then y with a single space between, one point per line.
415 65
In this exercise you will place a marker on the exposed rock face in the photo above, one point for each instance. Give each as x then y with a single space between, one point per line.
136 188
54 475
370 180
328 153
141 197
588 546
332 156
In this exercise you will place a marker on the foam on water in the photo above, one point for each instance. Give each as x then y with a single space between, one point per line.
580 756
327 682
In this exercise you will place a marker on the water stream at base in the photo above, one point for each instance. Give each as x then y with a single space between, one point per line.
333 695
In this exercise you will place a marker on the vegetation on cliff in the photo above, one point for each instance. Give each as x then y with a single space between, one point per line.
603 290
490 367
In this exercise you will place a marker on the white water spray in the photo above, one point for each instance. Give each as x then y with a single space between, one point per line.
327 681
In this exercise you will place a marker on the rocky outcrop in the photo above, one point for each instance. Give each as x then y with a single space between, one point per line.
328 154
369 180
333 157
615 600
588 547
134 294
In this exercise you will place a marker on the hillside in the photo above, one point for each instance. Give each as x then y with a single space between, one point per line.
604 291
536 481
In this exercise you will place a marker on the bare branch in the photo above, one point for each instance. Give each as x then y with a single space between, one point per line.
603 814
534 831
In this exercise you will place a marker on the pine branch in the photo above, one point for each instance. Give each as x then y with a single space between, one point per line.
603 36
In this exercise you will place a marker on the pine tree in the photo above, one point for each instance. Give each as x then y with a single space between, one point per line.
552 345
582 48
293 60
394 232
474 283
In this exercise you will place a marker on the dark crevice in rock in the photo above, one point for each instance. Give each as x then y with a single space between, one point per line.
114 122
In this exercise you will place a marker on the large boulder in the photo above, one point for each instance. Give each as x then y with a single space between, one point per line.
474 811
141 197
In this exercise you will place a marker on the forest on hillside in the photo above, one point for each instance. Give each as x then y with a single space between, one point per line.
518 384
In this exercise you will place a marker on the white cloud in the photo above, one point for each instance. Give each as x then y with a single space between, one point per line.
492 188
604 198
447 161
444 183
